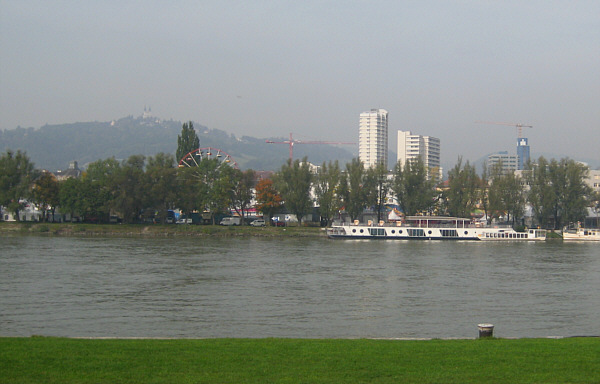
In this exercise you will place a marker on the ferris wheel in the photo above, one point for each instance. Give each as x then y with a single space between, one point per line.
193 158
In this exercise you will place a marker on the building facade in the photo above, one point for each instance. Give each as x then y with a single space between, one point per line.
509 163
522 152
373 137
428 148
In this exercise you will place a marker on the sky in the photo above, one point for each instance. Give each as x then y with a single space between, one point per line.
268 68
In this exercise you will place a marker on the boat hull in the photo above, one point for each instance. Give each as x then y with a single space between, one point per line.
364 232
582 234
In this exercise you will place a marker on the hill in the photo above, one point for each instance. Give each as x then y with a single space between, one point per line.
53 147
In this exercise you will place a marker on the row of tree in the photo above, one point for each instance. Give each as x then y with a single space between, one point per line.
555 190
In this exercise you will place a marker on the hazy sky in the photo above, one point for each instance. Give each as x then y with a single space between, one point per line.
267 68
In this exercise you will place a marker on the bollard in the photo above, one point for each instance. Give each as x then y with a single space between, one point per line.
486 330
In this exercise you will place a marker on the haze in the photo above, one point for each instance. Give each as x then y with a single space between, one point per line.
267 68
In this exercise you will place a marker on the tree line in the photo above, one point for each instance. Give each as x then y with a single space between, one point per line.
555 190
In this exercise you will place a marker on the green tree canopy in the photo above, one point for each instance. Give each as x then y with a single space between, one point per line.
462 194
186 142
326 187
16 176
413 188
353 189
294 182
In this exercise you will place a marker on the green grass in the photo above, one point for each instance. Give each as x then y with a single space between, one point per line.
59 360
155 230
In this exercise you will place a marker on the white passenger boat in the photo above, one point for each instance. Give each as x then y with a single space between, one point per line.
581 234
432 228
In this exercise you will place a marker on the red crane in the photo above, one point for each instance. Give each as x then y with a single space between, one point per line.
519 126
291 142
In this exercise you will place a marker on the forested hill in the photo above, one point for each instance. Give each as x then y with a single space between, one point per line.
53 147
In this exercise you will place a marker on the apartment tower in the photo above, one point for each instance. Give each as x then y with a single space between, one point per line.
373 137
413 146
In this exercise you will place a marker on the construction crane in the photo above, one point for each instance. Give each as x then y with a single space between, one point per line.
518 126
291 142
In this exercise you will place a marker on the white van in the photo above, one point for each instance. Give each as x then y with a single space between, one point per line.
231 221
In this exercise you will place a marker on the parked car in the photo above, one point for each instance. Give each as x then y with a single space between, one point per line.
258 223
184 221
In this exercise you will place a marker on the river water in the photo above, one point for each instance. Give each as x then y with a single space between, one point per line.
284 287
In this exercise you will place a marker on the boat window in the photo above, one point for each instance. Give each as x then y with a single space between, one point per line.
416 232
377 231
449 233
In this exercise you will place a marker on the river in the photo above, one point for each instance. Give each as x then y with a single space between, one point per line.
285 287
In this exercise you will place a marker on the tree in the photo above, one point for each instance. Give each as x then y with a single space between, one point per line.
187 189
461 195
186 142
294 182
507 195
413 188
16 175
161 177
223 181
46 193
97 190
326 187
541 195
378 183
242 191
70 197
353 192
484 192
268 200
567 180
129 189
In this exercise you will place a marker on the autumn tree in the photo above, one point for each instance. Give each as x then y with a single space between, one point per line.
46 193
268 199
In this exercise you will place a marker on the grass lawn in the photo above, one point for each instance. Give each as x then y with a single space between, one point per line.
156 230
61 360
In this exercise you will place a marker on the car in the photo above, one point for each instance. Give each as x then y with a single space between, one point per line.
258 223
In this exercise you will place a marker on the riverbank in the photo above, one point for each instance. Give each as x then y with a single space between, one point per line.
63 360
155 230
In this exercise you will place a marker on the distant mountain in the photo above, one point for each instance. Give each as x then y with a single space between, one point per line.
53 147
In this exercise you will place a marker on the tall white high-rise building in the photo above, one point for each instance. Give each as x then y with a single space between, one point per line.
412 146
373 137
